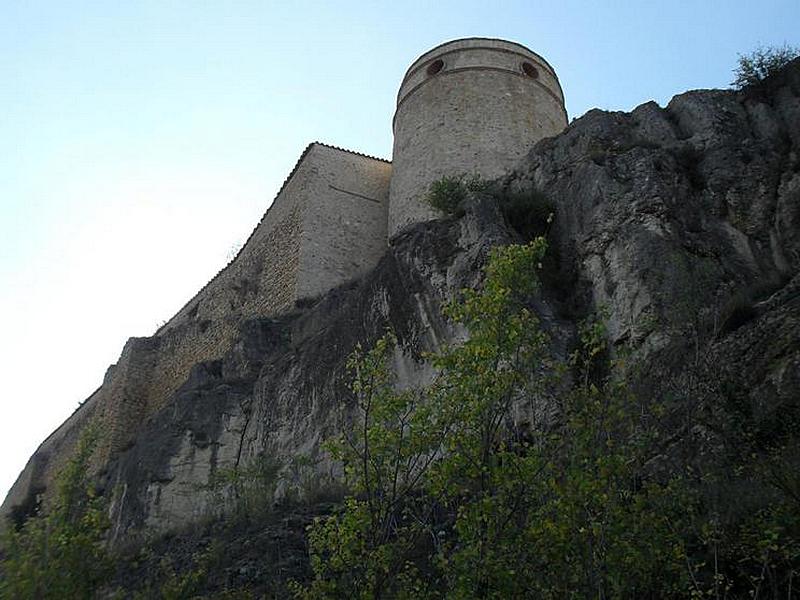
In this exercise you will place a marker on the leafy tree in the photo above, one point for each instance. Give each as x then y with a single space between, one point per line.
414 455
60 553
472 488
366 549
756 66
557 508
486 471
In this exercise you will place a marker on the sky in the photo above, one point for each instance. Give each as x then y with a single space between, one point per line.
141 141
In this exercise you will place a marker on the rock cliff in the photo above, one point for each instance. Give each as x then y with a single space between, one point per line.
681 223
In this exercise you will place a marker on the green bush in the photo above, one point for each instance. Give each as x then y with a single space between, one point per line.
447 194
762 62
528 212
450 498
60 553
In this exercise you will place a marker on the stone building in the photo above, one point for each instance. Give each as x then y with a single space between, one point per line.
469 106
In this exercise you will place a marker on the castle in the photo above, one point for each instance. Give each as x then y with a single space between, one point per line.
468 106
679 225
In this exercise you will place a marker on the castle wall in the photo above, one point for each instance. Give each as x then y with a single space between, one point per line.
484 108
326 226
468 106
331 219
344 232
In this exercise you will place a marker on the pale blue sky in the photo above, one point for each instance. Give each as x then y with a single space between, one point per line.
141 141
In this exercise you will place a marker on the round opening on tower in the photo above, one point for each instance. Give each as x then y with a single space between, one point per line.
530 70
435 67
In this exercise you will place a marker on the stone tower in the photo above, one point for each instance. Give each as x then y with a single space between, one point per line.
469 106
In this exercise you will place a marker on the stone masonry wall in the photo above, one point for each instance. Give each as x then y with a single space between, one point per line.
295 251
344 230
480 113
326 225
260 280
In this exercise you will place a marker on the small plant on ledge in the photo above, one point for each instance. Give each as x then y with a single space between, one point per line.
755 67
447 194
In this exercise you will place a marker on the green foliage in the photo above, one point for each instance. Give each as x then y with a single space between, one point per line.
513 475
447 194
365 549
510 507
597 524
487 468
765 550
762 62
177 586
528 212
560 514
198 575
60 553
192 583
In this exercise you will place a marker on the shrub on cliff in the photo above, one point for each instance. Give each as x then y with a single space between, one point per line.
447 194
529 212
762 62
574 496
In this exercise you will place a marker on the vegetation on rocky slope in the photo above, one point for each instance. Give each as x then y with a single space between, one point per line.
754 67
60 553
512 475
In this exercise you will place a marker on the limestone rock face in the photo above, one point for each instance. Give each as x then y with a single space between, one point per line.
281 389
673 219
681 223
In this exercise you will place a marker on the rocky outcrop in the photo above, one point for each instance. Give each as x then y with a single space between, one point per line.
281 389
681 223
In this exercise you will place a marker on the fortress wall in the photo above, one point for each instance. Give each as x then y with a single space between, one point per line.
265 278
468 107
326 225
344 228
126 393
49 458
260 280
262 275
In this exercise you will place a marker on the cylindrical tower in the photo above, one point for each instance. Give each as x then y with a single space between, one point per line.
470 106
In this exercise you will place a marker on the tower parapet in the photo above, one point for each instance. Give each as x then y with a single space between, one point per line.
469 106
